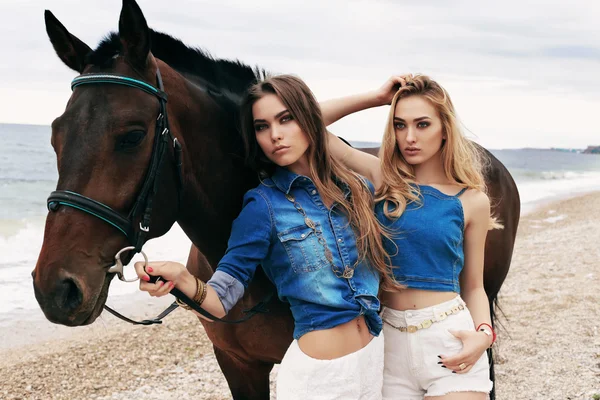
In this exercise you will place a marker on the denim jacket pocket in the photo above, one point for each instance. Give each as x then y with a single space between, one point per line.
302 246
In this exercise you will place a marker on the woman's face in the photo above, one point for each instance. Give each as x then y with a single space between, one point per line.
418 129
279 135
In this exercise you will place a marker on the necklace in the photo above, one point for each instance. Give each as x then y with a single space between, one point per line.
348 271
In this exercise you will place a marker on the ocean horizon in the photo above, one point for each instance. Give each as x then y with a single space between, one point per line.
362 143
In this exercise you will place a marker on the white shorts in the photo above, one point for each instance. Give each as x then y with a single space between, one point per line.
411 359
358 375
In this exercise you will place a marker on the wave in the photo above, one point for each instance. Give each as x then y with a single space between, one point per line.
552 175
557 186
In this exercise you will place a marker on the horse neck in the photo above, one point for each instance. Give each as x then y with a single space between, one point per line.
215 178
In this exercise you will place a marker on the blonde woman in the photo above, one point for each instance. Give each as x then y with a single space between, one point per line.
432 201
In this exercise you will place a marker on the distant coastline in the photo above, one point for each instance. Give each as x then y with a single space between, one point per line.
588 150
592 150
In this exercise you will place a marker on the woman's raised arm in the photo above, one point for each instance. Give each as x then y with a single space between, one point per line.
335 109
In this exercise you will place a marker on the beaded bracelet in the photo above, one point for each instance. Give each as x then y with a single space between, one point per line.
492 329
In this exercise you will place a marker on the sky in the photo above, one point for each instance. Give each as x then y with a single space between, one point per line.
520 73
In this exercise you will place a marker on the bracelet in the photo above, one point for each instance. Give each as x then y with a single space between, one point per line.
491 329
199 297
182 304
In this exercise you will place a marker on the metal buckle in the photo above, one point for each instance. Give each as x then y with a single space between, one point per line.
118 267
411 329
143 228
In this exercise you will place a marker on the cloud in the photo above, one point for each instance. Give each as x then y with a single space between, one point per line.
491 56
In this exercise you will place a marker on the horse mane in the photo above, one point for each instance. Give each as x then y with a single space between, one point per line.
219 76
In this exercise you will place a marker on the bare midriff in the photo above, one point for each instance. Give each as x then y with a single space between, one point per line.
344 339
414 299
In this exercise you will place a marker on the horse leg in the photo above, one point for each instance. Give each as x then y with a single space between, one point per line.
247 380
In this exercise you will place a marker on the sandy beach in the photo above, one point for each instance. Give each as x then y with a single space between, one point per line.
548 346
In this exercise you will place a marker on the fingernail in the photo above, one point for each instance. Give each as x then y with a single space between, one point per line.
439 362
443 366
439 356
453 372
149 269
161 283
146 278
171 284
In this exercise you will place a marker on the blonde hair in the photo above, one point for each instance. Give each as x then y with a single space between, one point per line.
324 169
463 163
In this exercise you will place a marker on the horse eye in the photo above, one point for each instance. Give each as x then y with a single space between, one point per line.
130 140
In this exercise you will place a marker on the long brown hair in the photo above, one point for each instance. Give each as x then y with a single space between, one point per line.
463 163
324 169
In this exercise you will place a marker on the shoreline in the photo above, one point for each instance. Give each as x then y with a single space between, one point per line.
554 282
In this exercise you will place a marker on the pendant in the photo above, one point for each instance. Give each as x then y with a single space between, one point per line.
309 222
348 273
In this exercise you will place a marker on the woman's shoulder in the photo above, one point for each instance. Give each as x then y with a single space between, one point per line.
476 204
476 197
258 197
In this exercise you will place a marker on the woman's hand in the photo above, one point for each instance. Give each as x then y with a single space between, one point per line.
385 93
171 272
474 344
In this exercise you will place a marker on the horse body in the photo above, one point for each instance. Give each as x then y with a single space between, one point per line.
100 154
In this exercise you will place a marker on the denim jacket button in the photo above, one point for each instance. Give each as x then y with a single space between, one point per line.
314 191
340 240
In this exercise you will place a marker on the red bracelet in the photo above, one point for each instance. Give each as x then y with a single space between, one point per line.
492 329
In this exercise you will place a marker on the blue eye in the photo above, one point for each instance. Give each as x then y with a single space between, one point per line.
423 124
399 125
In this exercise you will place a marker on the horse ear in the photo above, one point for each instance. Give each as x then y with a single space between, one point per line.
134 34
69 49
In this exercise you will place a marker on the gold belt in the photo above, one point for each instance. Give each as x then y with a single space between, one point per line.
428 322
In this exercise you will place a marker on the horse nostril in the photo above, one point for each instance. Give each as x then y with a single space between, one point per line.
72 295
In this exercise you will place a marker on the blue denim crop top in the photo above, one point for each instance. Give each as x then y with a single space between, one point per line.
429 240
271 232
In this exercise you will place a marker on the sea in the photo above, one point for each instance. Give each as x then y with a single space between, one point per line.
28 174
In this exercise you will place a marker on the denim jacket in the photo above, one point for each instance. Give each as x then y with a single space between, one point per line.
271 232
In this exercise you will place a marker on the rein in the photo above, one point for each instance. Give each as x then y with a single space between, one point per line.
137 232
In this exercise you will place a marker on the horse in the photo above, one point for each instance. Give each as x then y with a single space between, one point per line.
105 153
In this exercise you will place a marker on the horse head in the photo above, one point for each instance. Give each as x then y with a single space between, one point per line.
104 144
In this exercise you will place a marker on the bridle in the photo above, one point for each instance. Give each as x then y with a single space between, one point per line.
136 232
136 225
